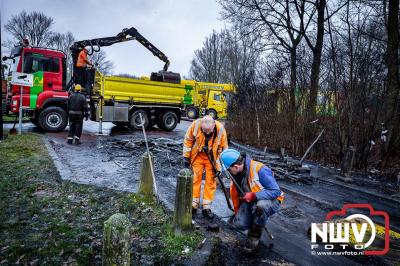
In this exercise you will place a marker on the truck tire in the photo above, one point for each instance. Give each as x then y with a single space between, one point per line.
212 113
53 119
192 113
169 120
152 123
135 120
159 122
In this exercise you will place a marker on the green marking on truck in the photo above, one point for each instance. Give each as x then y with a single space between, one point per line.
188 98
36 88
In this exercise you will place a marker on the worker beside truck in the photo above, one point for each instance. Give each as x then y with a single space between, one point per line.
254 192
77 110
82 63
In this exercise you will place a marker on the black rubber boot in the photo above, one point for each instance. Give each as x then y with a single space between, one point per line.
194 211
69 141
207 213
253 239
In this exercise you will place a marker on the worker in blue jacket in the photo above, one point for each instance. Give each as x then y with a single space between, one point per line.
254 192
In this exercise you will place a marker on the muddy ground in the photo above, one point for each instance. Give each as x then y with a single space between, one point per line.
113 161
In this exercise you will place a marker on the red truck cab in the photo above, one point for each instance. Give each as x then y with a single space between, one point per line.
46 101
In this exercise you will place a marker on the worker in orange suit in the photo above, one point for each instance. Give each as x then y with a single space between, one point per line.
82 63
205 135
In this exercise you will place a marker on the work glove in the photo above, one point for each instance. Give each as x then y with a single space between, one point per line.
186 162
249 197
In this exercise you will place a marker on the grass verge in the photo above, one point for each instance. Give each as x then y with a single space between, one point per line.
44 220
11 119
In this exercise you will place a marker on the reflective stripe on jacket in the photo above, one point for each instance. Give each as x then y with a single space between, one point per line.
253 180
195 141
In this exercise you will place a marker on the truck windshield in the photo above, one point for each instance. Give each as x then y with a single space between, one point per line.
217 97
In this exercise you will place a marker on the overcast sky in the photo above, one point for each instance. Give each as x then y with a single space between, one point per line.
176 27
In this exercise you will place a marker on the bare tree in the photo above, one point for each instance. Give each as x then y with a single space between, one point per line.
227 56
348 82
208 62
36 26
281 25
393 86
243 53
62 41
317 54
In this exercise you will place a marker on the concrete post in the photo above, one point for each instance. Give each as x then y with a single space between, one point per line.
183 202
116 240
146 178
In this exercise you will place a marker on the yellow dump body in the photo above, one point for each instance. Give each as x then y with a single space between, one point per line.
139 91
144 91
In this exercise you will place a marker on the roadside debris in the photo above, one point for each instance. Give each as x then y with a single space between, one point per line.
212 227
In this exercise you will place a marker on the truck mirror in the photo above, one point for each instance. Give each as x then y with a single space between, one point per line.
5 58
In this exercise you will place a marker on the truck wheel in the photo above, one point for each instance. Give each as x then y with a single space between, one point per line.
35 121
169 120
53 119
192 113
135 119
152 123
159 122
212 113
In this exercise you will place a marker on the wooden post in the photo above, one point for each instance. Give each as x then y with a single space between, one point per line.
347 162
146 178
116 240
183 202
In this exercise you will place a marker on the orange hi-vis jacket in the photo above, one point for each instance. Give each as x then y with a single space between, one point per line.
82 59
195 141
253 183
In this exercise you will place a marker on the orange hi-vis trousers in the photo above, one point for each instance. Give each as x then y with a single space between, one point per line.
199 164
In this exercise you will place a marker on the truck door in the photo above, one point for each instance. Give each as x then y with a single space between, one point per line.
217 102
50 66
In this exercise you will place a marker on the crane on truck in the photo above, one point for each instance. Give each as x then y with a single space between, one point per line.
127 34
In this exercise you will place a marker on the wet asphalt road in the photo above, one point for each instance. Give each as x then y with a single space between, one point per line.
96 163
